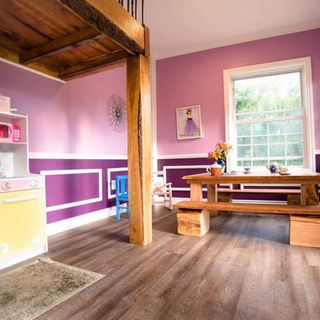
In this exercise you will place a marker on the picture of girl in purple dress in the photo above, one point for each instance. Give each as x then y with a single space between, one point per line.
190 128
188 122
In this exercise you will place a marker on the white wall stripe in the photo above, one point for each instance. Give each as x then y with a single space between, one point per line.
109 180
76 156
75 203
183 156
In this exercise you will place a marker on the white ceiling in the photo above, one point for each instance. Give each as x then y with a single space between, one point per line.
183 26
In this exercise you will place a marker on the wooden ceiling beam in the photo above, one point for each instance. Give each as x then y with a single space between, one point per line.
110 18
9 44
58 45
91 65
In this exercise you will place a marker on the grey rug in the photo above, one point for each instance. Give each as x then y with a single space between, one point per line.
27 292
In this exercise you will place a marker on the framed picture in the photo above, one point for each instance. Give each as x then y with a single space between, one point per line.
188 122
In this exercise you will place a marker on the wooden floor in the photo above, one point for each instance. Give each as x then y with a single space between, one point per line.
242 269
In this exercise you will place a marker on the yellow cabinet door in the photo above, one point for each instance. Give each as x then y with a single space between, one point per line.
22 223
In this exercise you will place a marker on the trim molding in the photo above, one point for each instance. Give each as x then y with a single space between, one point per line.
71 223
183 156
75 203
32 70
76 156
109 181
22 257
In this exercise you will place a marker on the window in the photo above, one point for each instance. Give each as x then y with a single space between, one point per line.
269 115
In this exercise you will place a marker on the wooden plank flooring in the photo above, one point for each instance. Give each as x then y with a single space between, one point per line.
242 269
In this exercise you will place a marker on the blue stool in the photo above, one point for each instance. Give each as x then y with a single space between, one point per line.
121 195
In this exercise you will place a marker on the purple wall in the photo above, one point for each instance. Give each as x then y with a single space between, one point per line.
197 78
70 117
175 169
62 189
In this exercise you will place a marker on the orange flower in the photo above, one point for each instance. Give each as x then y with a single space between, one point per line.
221 151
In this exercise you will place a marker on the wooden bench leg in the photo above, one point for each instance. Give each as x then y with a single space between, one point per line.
194 223
293 199
304 231
224 197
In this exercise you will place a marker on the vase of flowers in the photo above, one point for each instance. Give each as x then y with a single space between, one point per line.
220 153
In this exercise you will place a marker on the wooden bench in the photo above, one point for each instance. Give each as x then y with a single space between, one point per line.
193 218
293 195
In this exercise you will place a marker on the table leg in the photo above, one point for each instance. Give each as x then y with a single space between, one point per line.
212 195
309 194
196 191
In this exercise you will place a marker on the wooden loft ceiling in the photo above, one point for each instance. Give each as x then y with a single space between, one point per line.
68 38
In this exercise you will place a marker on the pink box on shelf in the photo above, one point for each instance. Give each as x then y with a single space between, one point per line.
16 133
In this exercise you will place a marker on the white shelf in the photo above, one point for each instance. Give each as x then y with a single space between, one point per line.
13 143
14 155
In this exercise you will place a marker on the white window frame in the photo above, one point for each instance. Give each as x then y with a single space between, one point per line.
302 65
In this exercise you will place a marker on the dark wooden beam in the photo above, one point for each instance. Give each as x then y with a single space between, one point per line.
110 18
139 149
9 44
58 45
92 64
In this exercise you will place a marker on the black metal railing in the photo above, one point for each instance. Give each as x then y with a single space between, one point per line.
135 8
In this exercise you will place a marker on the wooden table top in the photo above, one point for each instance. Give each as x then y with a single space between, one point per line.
307 177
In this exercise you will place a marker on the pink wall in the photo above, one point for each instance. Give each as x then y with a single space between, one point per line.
70 117
197 78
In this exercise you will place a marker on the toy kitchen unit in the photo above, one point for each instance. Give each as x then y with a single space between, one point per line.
22 210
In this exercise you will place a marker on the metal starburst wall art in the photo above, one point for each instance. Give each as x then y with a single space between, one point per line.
117 113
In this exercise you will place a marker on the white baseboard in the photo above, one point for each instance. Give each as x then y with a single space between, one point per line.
67 224
22 257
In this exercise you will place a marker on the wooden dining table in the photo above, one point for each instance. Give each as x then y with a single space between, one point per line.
304 217
308 182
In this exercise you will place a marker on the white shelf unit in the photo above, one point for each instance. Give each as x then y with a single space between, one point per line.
22 209
14 155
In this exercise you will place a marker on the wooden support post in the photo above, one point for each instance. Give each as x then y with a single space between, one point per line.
139 149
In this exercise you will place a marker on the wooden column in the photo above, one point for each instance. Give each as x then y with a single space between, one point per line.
139 149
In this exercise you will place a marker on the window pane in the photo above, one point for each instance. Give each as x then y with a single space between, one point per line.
277 150
259 140
277 127
295 137
244 163
259 163
243 140
243 129
295 126
259 128
295 149
244 152
276 92
277 138
295 162
260 151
